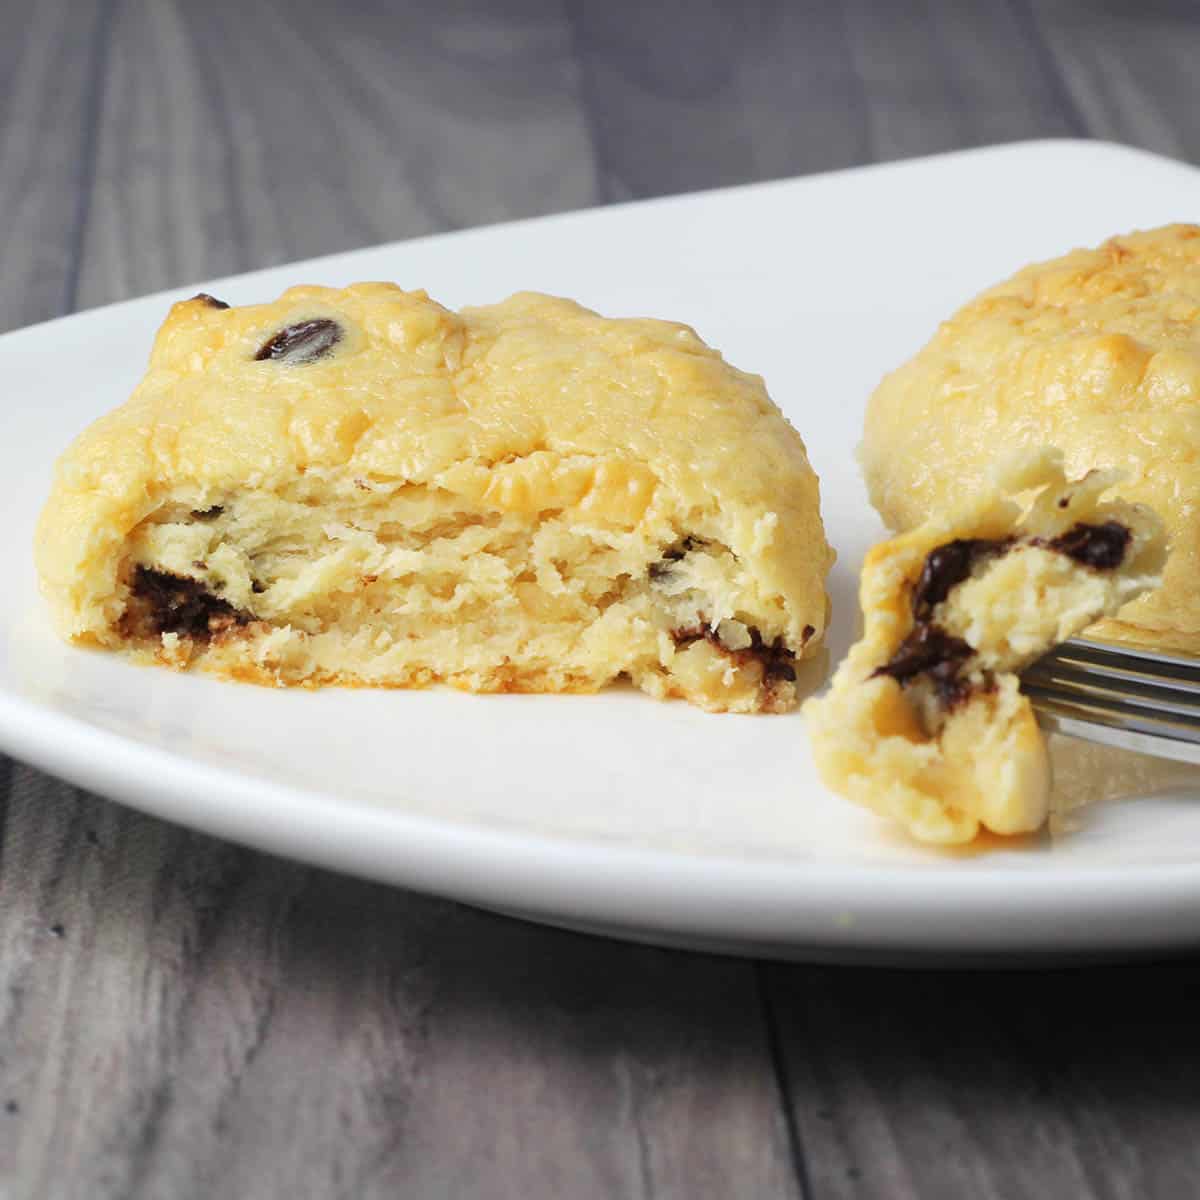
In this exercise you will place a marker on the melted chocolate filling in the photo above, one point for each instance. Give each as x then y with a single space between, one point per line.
776 660
166 603
304 342
938 656
947 566
211 301
935 654
1099 546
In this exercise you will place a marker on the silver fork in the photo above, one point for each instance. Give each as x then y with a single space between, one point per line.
1119 696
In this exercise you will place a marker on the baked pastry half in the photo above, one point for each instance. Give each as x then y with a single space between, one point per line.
1096 352
361 487
925 721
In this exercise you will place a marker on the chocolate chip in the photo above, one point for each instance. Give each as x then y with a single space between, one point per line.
660 571
165 603
258 587
773 657
211 301
929 652
778 668
207 514
933 654
948 685
926 649
806 633
1100 546
684 546
304 342
947 566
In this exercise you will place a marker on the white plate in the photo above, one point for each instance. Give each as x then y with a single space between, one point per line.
615 812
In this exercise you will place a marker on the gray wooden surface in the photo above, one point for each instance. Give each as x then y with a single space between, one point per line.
184 1018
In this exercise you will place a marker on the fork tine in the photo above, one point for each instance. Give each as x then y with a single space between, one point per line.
1069 683
1127 661
1156 737
1119 696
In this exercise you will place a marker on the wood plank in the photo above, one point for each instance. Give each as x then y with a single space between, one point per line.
686 96
240 135
52 58
993 1084
938 75
183 1018
1129 70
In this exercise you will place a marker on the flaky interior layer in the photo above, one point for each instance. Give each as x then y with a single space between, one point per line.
404 585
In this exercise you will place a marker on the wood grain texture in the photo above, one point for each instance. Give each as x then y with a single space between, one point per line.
51 65
184 1018
1127 69
234 135
1005 1085
180 1017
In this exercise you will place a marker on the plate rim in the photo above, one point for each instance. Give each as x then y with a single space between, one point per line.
551 875
796 901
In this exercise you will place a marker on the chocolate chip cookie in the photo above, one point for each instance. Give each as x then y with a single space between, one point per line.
363 487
